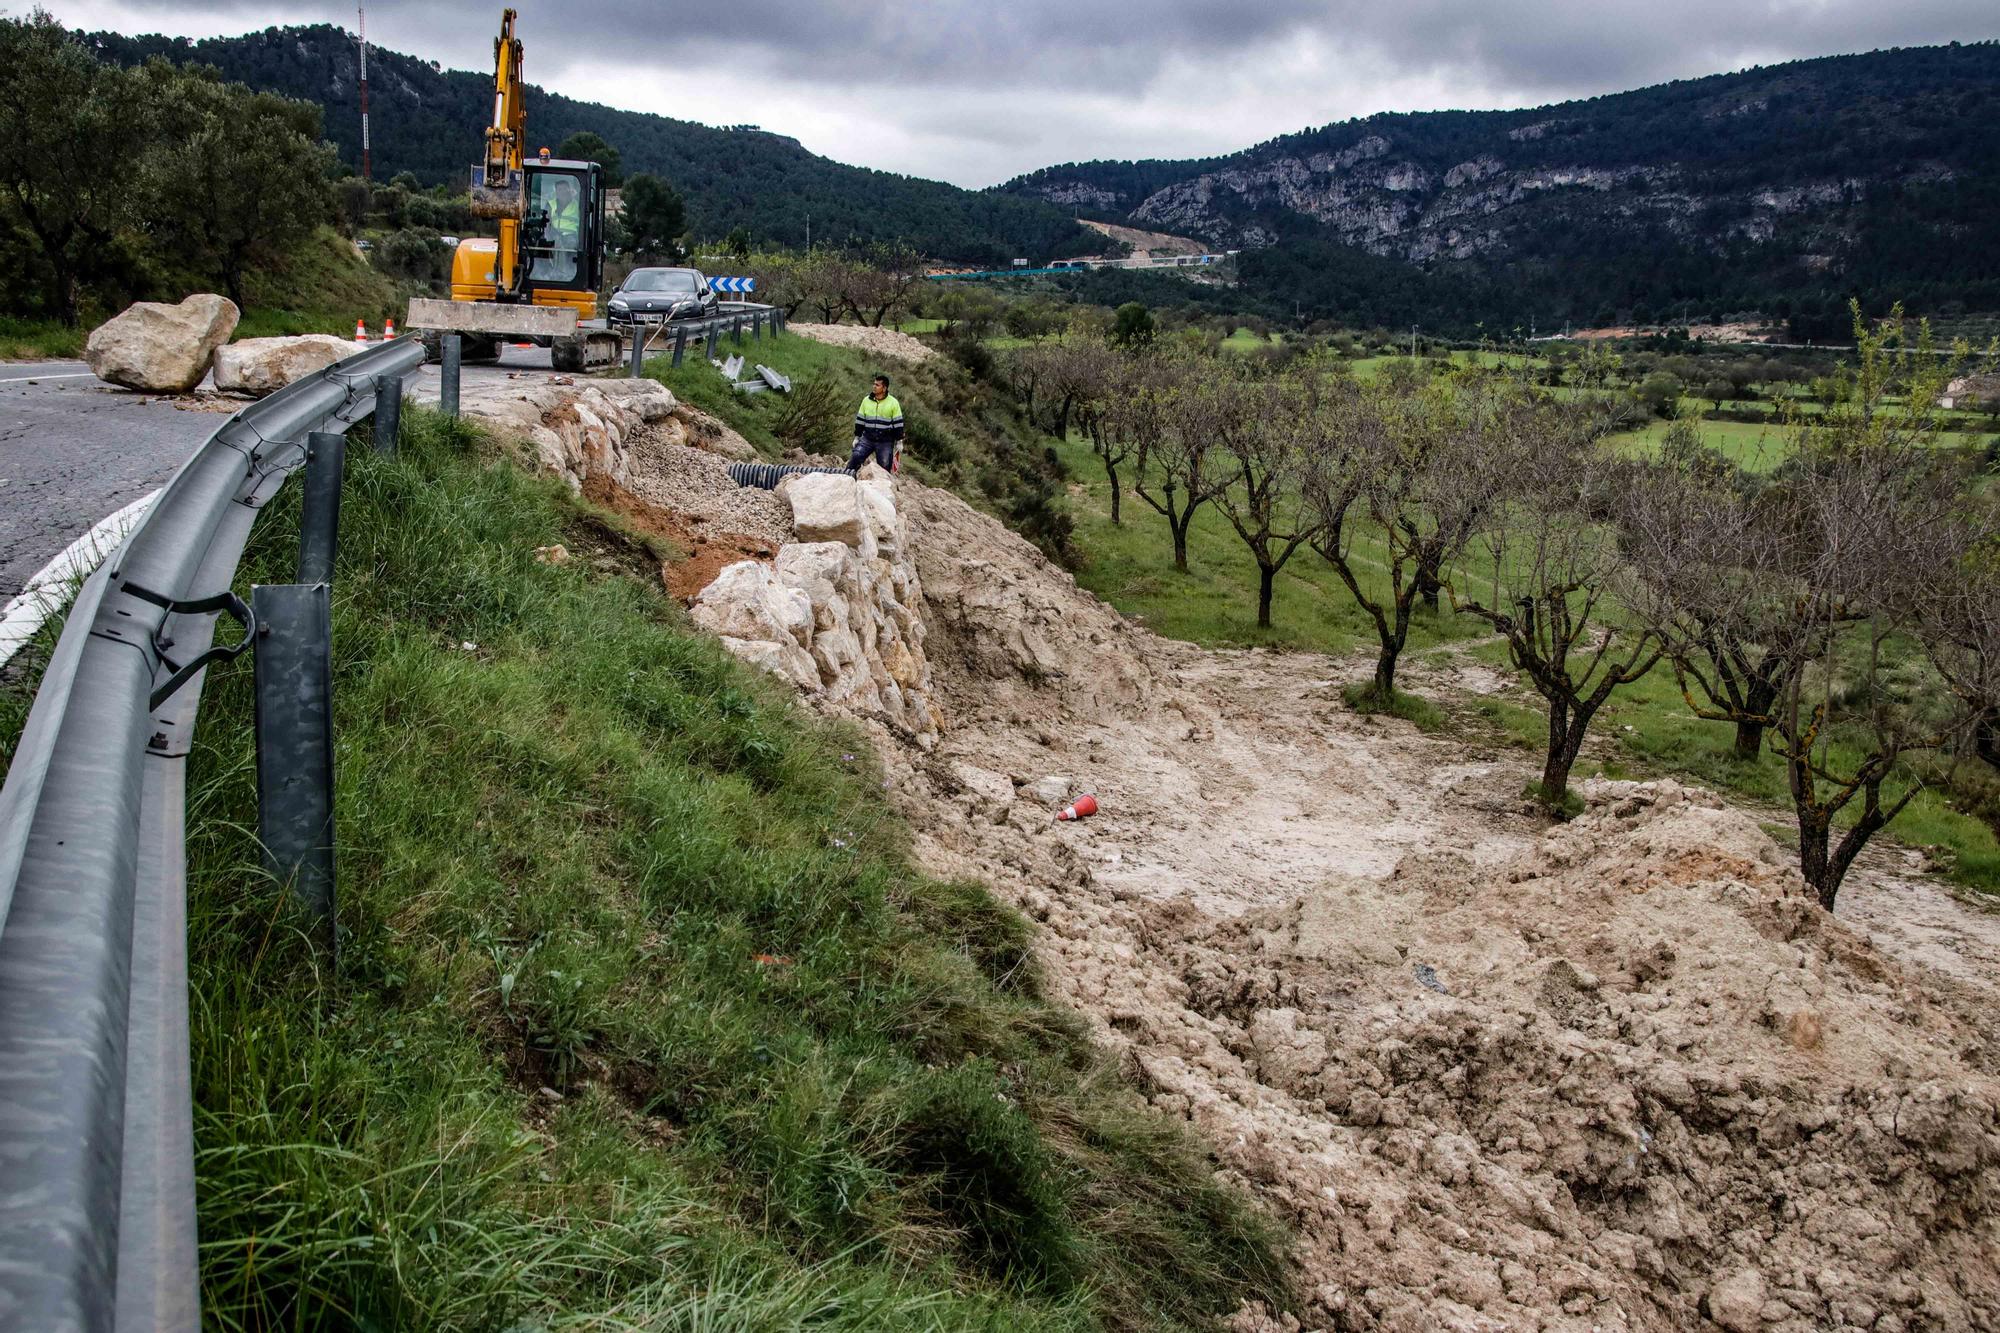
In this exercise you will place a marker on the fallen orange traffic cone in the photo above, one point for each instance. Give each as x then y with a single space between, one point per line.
389 331
1081 808
360 331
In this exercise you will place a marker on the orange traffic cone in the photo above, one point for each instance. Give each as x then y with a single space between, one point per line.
389 331
360 331
1083 807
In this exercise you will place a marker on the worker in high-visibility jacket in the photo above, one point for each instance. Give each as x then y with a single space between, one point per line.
878 428
565 232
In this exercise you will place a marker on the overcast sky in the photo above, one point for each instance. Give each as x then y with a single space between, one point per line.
976 91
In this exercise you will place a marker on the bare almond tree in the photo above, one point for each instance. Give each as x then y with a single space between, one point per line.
1554 570
1831 591
1268 428
1424 467
1710 577
1181 415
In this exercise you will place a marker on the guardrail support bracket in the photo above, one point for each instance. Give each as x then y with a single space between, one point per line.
319 517
388 413
448 359
294 678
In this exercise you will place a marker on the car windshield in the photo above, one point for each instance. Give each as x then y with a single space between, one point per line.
660 280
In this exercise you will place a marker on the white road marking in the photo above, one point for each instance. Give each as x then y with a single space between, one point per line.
50 589
29 379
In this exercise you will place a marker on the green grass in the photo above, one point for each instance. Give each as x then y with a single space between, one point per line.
1755 446
698 382
555 1078
1243 340
40 340
1131 566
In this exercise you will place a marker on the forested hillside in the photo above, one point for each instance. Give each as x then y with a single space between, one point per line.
1782 189
427 121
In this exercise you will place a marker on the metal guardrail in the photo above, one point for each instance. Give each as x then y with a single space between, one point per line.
97 1216
732 319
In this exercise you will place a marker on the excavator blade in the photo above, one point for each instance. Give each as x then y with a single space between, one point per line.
528 321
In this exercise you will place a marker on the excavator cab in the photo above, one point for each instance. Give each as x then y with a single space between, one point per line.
562 238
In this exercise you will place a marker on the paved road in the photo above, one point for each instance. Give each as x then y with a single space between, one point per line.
74 449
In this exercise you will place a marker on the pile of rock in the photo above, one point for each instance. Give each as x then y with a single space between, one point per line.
159 348
838 612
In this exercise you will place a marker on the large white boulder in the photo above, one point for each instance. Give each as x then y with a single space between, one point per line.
746 602
257 366
825 508
780 659
161 348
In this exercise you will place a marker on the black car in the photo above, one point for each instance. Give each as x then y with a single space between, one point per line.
655 295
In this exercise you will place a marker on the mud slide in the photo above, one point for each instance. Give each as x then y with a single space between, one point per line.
1618 1074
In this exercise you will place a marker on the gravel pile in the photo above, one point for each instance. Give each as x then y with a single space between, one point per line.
695 486
882 342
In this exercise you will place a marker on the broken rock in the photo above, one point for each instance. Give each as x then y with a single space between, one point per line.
257 366
746 602
161 348
825 508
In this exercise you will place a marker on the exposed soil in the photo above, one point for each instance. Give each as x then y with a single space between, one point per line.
1618 1074
1147 242
882 342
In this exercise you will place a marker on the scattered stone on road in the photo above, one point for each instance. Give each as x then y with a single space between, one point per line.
161 348
258 366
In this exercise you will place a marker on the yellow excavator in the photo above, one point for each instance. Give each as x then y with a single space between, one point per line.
538 281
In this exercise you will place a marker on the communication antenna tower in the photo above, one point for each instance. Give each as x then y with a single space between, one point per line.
366 172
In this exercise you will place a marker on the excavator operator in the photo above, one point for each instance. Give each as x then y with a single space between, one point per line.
563 231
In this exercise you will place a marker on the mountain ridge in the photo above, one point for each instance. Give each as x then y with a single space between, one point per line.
1794 184
427 120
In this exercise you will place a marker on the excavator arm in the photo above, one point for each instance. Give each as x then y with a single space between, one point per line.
498 188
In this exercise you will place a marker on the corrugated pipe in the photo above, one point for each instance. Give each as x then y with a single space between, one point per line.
766 476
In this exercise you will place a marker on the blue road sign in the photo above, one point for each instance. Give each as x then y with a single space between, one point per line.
733 284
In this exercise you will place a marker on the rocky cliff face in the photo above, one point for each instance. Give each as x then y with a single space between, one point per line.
1858 163
1379 198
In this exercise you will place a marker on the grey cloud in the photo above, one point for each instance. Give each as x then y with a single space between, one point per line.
932 75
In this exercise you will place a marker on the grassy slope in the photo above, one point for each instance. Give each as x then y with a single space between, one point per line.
550 1079
321 287
1132 567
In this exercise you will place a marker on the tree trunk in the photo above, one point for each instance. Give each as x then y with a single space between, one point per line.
1180 540
1815 860
1566 734
1428 586
1266 576
1385 673
1111 471
1749 741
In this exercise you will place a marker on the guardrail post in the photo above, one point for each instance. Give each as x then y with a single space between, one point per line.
448 375
680 343
638 346
757 325
736 329
777 321
294 684
388 413
319 519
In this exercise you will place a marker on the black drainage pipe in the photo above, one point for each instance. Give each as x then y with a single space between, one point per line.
766 476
